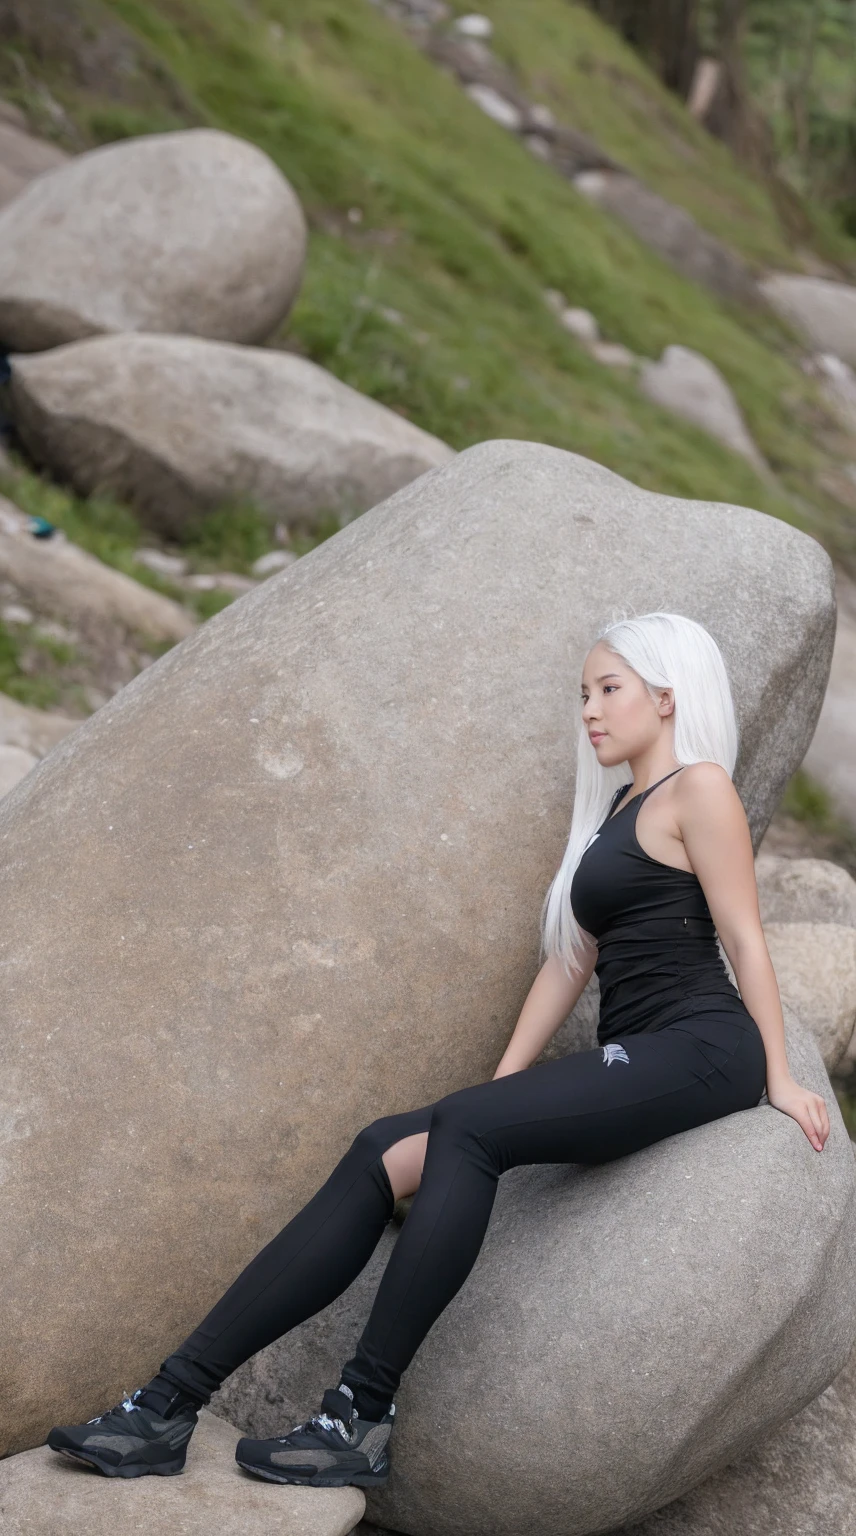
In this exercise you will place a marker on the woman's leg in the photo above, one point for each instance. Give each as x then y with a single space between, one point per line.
590 1107
309 1263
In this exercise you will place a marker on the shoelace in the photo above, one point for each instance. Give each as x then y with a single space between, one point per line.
127 1403
320 1421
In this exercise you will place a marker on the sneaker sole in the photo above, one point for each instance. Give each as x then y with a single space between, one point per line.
329 1478
131 1469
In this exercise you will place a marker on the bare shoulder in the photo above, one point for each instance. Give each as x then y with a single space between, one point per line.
706 791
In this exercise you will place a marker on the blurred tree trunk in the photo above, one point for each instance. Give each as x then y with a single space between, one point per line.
666 33
678 38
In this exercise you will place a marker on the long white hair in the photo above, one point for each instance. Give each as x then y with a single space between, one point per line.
668 651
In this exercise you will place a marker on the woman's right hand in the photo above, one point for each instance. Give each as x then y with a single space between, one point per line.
807 1108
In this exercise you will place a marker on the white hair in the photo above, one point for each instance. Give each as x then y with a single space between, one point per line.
667 651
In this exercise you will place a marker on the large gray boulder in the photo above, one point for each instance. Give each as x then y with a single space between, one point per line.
177 425
626 1330
799 1480
822 310
194 231
42 1494
303 856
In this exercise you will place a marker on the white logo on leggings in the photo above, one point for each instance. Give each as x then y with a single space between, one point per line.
615 1053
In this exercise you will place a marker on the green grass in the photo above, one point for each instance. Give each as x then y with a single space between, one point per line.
461 231
32 664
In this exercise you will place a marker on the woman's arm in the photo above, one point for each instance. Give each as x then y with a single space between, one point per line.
716 835
550 999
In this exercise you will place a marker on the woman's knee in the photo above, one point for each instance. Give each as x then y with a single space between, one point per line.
452 1118
374 1139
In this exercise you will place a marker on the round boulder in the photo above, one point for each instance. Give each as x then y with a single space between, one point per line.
177 425
687 383
799 1480
193 231
303 857
626 1330
820 309
808 908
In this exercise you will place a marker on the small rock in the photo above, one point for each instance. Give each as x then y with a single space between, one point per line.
538 145
555 301
16 613
592 184
541 117
689 384
495 106
613 355
582 324
58 580
474 26
276 560
223 581
33 729
838 385
52 630
15 764
834 368
164 564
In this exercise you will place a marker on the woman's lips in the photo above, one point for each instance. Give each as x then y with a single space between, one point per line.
596 735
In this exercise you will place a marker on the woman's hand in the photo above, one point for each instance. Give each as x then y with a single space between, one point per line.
807 1108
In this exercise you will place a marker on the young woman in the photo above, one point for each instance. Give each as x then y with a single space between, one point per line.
654 868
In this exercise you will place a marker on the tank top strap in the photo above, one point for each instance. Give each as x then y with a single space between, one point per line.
659 781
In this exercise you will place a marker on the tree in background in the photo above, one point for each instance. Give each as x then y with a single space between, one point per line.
775 79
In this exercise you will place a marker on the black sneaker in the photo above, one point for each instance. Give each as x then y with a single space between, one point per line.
129 1440
331 1450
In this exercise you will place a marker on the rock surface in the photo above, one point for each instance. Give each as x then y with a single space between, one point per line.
661 1312
670 231
177 425
687 383
192 231
798 1481
808 909
310 847
22 159
34 730
822 310
15 764
43 1494
57 578
831 757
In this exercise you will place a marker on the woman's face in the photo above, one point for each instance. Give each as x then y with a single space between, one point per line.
618 712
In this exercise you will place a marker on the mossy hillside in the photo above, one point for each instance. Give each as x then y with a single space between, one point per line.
459 233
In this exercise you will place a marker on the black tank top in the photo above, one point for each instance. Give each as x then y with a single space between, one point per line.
658 958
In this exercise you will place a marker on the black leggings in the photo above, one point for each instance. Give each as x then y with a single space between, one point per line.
589 1107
